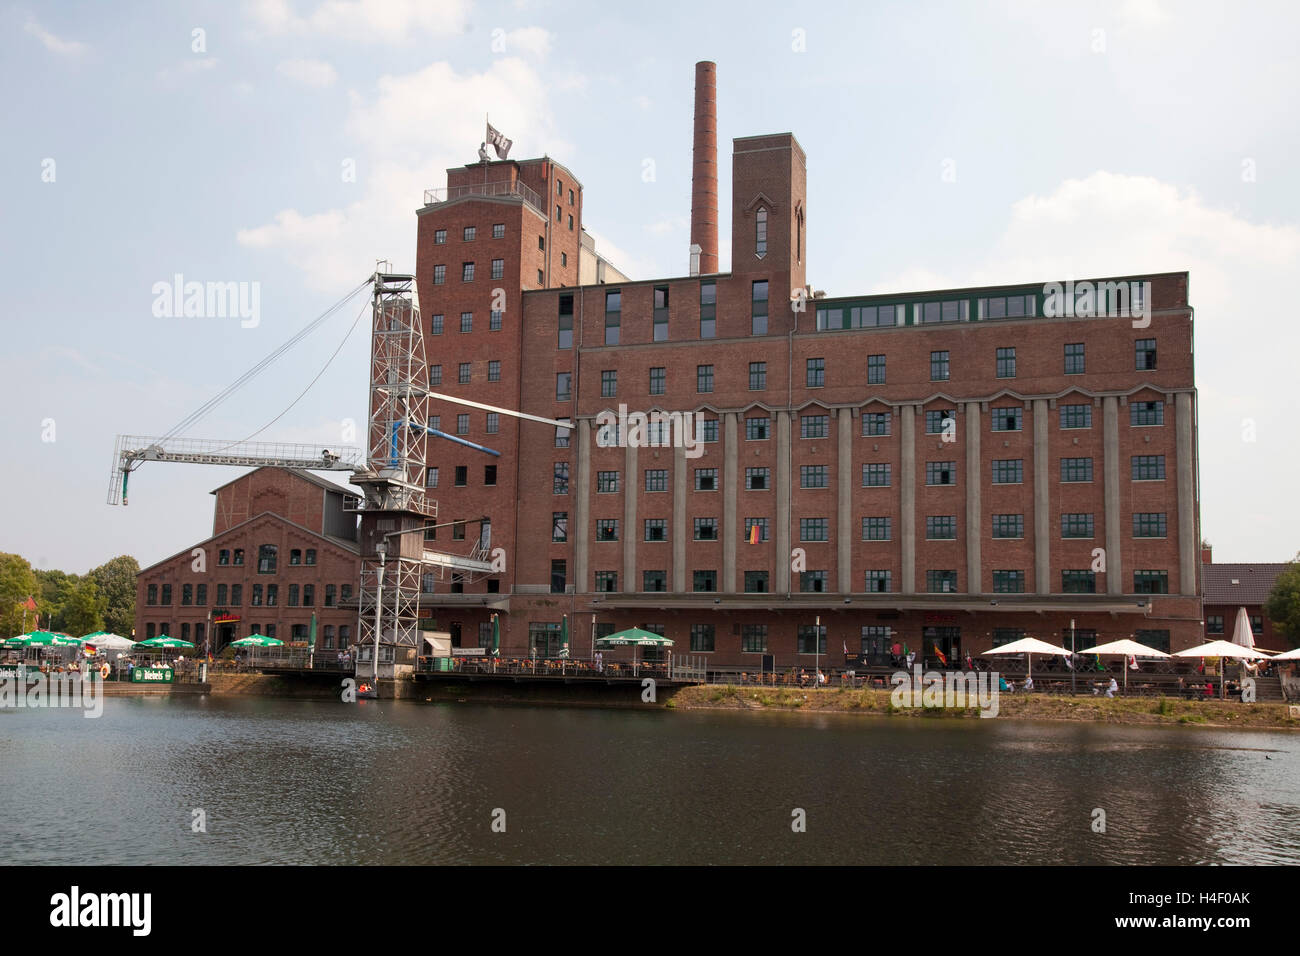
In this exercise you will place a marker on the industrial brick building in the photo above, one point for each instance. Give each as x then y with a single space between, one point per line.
1229 587
283 549
946 469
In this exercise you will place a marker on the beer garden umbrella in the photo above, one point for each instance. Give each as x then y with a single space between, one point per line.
257 640
1223 649
1029 646
637 637
1126 648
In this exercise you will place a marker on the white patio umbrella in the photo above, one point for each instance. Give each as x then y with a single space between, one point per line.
1223 649
1241 630
1028 646
1126 648
1291 655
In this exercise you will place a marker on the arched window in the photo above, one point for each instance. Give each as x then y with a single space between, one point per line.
760 232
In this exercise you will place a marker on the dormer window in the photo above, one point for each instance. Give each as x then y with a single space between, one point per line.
760 232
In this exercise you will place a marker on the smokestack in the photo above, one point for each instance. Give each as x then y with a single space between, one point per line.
704 169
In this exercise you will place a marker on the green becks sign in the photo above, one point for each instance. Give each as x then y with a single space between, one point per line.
151 675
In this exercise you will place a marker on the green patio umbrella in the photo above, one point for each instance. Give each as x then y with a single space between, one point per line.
34 639
637 637
496 635
564 636
162 640
257 640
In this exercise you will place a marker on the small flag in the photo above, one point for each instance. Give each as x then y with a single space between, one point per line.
753 533
499 142
939 654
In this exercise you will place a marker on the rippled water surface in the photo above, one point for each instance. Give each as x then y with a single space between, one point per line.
386 782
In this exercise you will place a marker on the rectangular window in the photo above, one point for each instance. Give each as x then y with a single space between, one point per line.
1076 525
814 476
560 478
1145 358
656 529
656 479
563 386
940 582
879 582
439 275
757 429
1074 362
1008 526
706 479
654 581
875 475
461 476
757 479
223 557
1214 624
1006 363
1146 413
756 582
1078 582
815 373
757 376
559 574
266 558
751 524
236 595
876 528
704 580
1007 307
1009 419
1076 469
494 320
239 557
467 272
498 268
1076 416
1150 524
661 313
658 380
431 477
1148 467
939 367
941 527
463 373
467 321
613 316
1150 582
187 595
941 473
439 237
753 638
875 370
1008 471
494 370
565 326
951 311
561 437
435 324
331 595
498 230
1008 582
875 423
606 581
608 383
701 638
607 482
1159 639
462 423
469 233
704 378
811 639
708 310
814 529
814 426
706 529
706 430
489 475
758 308
813 582
936 421
221 595
435 375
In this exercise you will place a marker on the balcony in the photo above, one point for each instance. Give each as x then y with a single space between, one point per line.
433 197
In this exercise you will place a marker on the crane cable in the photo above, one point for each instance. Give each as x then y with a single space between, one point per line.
211 404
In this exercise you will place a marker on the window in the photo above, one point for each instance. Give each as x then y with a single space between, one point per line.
757 376
1145 355
661 313
560 478
570 223
1076 469
1008 419
706 479
753 638
1214 624
656 479
813 426
558 574
462 423
1007 307
238 558
222 592
706 429
939 368
494 320
1148 467
1150 582
756 582
558 216
1009 635
654 580
563 386
541 242
461 476
439 275
439 237
941 527
606 581
951 311
1074 363
1008 526
435 375
498 268
811 639
757 479
565 334
936 420
1076 416
760 524
875 370
875 475
704 580
1008 471
658 380
608 383
309 557
331 592
1149 524
494 370
940 582
498 230
1076 526
1006 363
463 373
879 582
1146 413
941 473
1008 582
431 477
875 423
812 582
458 531
469 233
293 595
272 595
758 308
467 321
467 272
223 557
435 422
708 310
814 476
607 482
876 529
266 557
1079 582
706 529
815 373
760 232
613 316
656 529
435 324
561 437
704 378
236 595
489 475
814 529
1159 639
757 429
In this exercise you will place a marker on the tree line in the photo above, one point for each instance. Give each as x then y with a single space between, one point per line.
102 599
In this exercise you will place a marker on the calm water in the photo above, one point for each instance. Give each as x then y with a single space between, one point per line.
386 782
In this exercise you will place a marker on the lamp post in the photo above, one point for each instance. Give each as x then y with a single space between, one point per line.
382 550
817 649
1073 662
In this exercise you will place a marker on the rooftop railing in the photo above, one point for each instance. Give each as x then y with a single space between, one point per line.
434 196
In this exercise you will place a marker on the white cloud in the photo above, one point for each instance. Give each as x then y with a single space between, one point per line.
316 73
383 21
53 43
534 40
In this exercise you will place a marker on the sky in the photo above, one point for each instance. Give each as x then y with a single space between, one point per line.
285 144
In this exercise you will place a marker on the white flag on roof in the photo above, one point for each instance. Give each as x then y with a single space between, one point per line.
498 141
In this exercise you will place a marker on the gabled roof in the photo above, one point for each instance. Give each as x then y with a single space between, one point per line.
341 543
306 476
1239 583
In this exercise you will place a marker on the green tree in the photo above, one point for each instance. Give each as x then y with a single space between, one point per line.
81 610
55 589
1283 604
17 584
116 582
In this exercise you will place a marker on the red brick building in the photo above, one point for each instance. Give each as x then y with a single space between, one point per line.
947 469
1229 587
283 548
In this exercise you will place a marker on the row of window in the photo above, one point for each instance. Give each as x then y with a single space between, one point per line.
460 473
464 373
470 233
267 557
1011 471
233 595
438 322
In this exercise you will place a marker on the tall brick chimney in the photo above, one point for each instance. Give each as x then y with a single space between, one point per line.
704 168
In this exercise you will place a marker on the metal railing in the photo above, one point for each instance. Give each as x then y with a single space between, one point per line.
433 196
